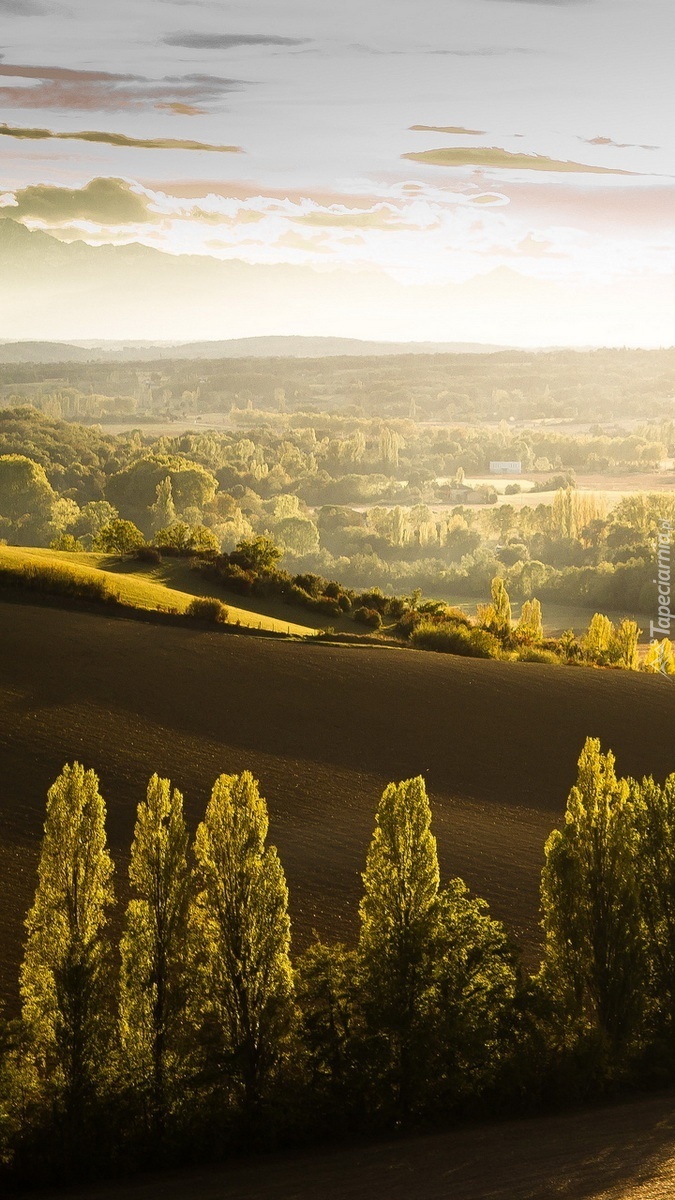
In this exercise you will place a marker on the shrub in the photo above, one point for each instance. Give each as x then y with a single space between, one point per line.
535 655
148 554
369 617
314 585
232 576
66 541
326 606
373 600
208 608
455 639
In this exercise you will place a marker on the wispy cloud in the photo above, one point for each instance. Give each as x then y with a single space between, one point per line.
115 139
22 8
454 129
103 201
493 157
607 141
229 41
106 91
549 3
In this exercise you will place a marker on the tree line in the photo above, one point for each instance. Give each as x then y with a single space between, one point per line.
195 1032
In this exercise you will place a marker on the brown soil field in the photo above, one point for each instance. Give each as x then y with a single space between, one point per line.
324 728
622 1152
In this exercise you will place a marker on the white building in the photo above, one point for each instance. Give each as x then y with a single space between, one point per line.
506 468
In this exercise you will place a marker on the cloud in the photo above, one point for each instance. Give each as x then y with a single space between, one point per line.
606 141
229 41
551 3
455 129
63 88
493 157
103 201
475 52
22 8
115 139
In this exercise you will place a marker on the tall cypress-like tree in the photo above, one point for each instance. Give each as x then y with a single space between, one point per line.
65 981
154 947
163 511
242 933
655 823
594 950
398 913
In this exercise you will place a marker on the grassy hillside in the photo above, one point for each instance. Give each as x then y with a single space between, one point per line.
324 728
150 586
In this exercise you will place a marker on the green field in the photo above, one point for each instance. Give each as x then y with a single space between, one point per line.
162 587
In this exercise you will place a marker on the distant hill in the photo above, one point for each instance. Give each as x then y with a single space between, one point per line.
133 302
253 347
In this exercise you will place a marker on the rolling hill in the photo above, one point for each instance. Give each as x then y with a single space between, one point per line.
324 727
146 586
249 347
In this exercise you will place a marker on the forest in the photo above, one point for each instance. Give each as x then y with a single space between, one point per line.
187 1027
370 503
581 385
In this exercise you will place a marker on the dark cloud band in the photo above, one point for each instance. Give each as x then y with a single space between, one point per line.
105 91
115 139
229 41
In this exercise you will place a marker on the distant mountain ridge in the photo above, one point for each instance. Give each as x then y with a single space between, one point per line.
70 301
274 346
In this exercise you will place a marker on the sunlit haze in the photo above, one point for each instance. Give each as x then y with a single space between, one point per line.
500 171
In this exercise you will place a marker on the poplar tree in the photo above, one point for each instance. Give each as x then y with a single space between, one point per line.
531 622
154 947
65 981
655 824
398 913
163 510
597 640
242 934
593 953
624 646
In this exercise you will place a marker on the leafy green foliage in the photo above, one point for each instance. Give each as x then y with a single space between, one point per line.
594 959
185 538
153 979
242 931
398 914
208 608
65 975
118 537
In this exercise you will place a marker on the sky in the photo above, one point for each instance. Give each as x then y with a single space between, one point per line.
436 144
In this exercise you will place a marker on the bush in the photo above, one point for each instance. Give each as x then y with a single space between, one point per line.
532 654
56 580
314 585
326 606
66 541
455 639
148 554
208 608
369 617
374 601
232 576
